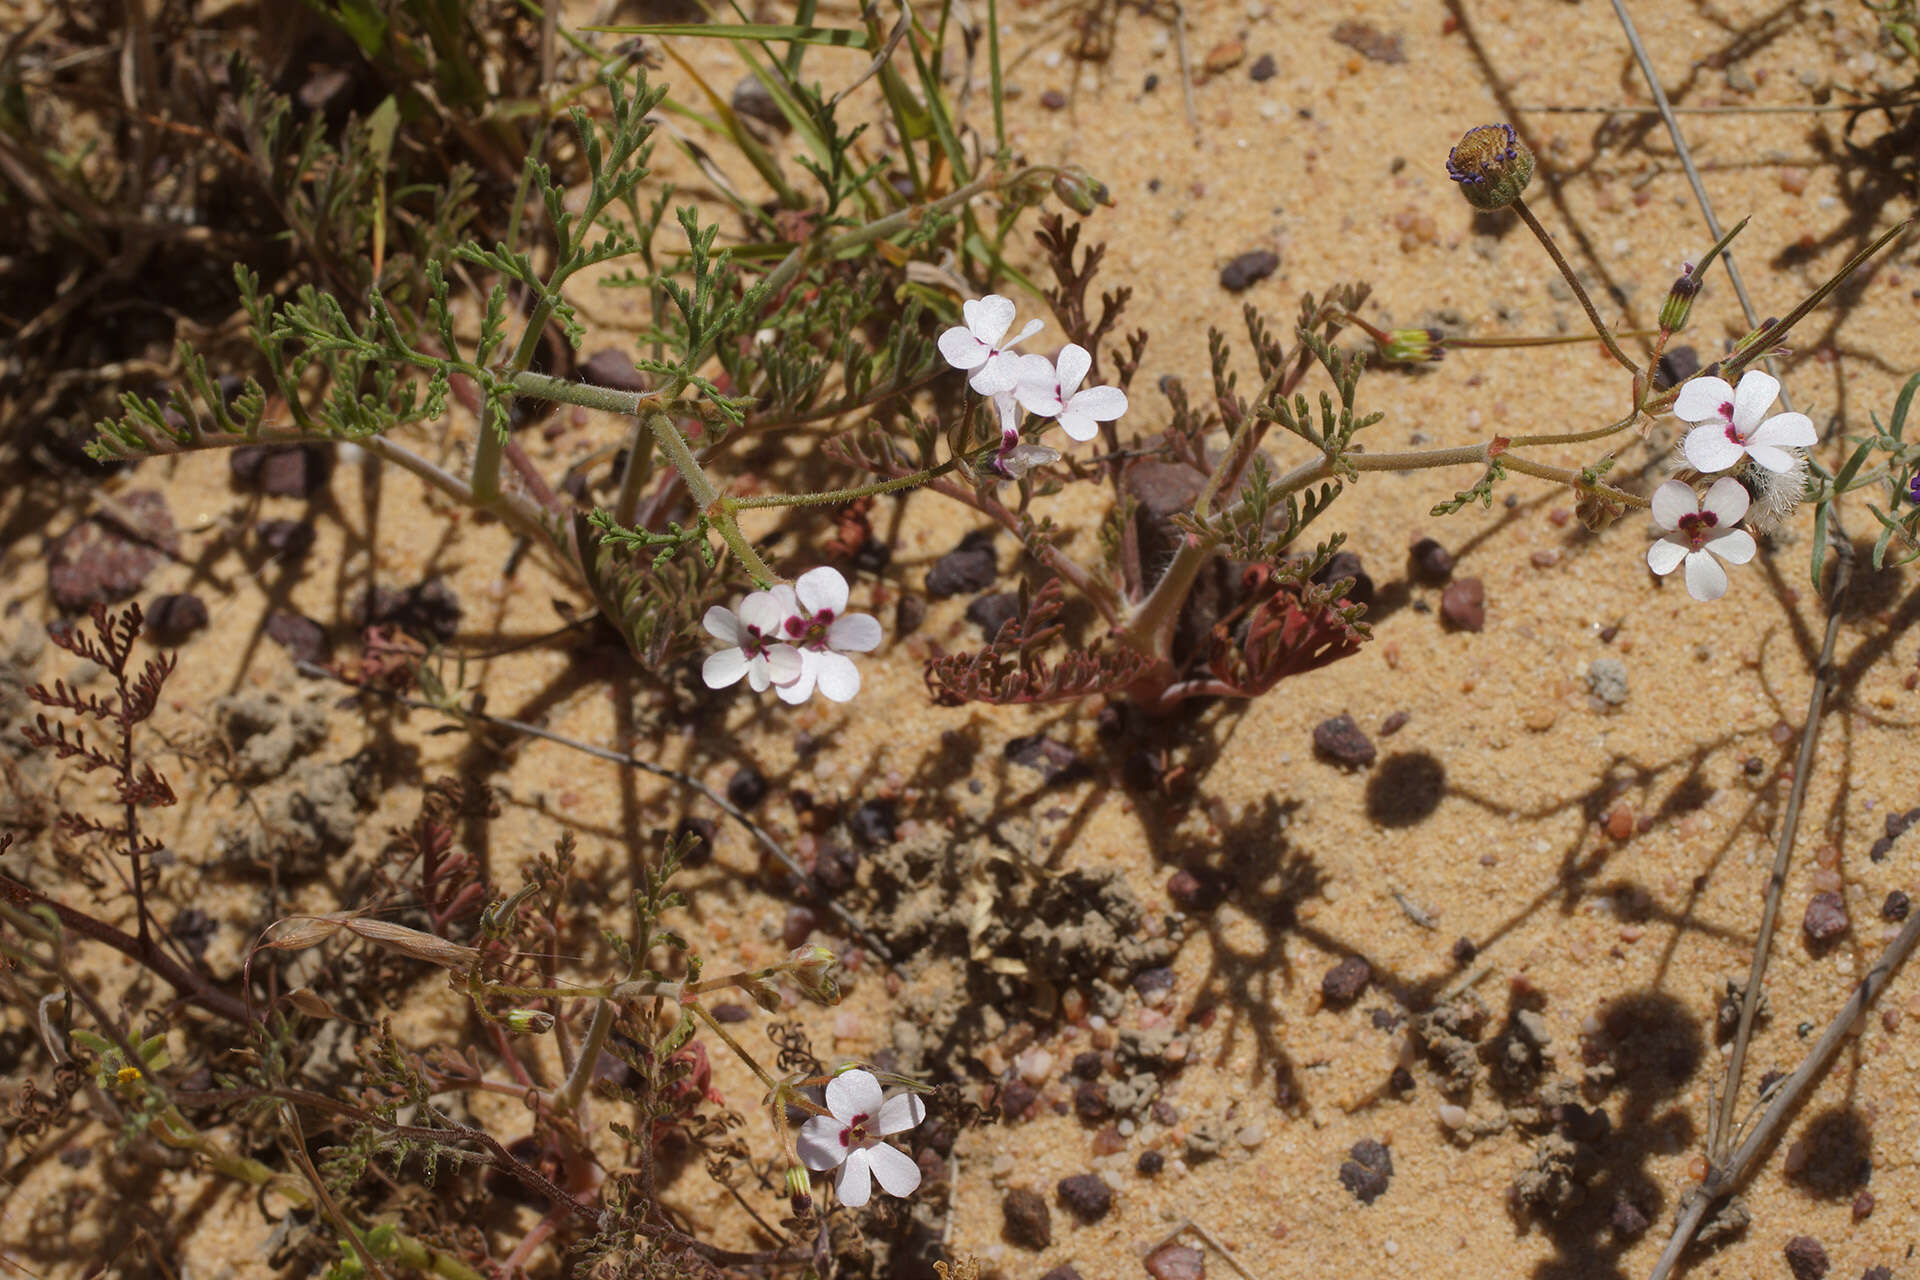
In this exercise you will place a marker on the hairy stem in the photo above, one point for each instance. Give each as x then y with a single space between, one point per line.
1573 282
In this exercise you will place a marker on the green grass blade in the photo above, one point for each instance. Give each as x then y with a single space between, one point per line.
760 32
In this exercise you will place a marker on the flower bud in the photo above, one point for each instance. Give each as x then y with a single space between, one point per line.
762 994
1597 511
812 968
799 1191
1414 346
529 1022
1679 304
1491 165
1081 192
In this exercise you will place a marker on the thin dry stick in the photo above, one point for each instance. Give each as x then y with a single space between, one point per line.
759 833
1788 1095
1186 66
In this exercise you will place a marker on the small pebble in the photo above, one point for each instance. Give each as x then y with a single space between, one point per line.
1464 605
1607 680
1826 917
1341 740
1896 906
1086 1196
1053 99
1620 822
1248 269
1263 68
1394 723
1367 1171
1026 1220
1807 1258
1225 56
1346 981
1431 562
1176 1262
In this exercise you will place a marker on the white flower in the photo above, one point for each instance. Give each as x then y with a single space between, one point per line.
1698 530
1730 426
849 1139
756 650
817 624
982 345
1049 391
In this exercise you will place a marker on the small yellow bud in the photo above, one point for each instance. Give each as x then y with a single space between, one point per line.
127 1075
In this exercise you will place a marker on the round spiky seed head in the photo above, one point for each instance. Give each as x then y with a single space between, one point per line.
1491 165
1679 304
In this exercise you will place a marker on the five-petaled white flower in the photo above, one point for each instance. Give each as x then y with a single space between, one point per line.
816 623
1698 529
1731 427
982 345
758 649
1049 390
849 1138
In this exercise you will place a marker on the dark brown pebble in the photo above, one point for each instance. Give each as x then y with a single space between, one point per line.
992 612
836 866
1262 69
1369 42
97 562
1367 1171
1150 1163
1053 100
1464 604
909 613
282 471
1248 269
747 787
968 568
1826 917
1016 1097
1196 891
875 823
728 1011
302 637
1675 367
1054 760
1464 951
1862 1208
797 927
1027 1220
1627 1219
1896 906
1090 1101
1344 982
1086 1196
694 838
614 367
1339 739
1430 562
1807 1259
1753 766
1062 1272
172 618
1346 564
1394 723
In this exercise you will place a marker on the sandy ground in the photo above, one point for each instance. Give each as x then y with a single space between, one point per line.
1484 812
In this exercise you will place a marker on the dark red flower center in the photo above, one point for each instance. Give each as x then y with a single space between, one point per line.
810 631
855 1131
1697 527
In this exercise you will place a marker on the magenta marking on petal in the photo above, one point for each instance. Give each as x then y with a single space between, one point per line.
1726 411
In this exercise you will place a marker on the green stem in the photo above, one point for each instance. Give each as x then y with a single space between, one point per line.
839 495
713 1025
707 499
1573 282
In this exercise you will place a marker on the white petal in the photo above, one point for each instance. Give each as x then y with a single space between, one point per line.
1708 449
822 588
1752 398
800 688
897 1172
839 678
855 633
900 1112
765 611
1706 580
1778 461
723 667
1727 499
1787 430
1664 556
1735 546
854 1093
988 317
1672 500
1101 403
962 349
854 1185
1008 406
998 374
1074 361
783 663
1078 426
1027 330
820 1143
1703 399
759 673
722 625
